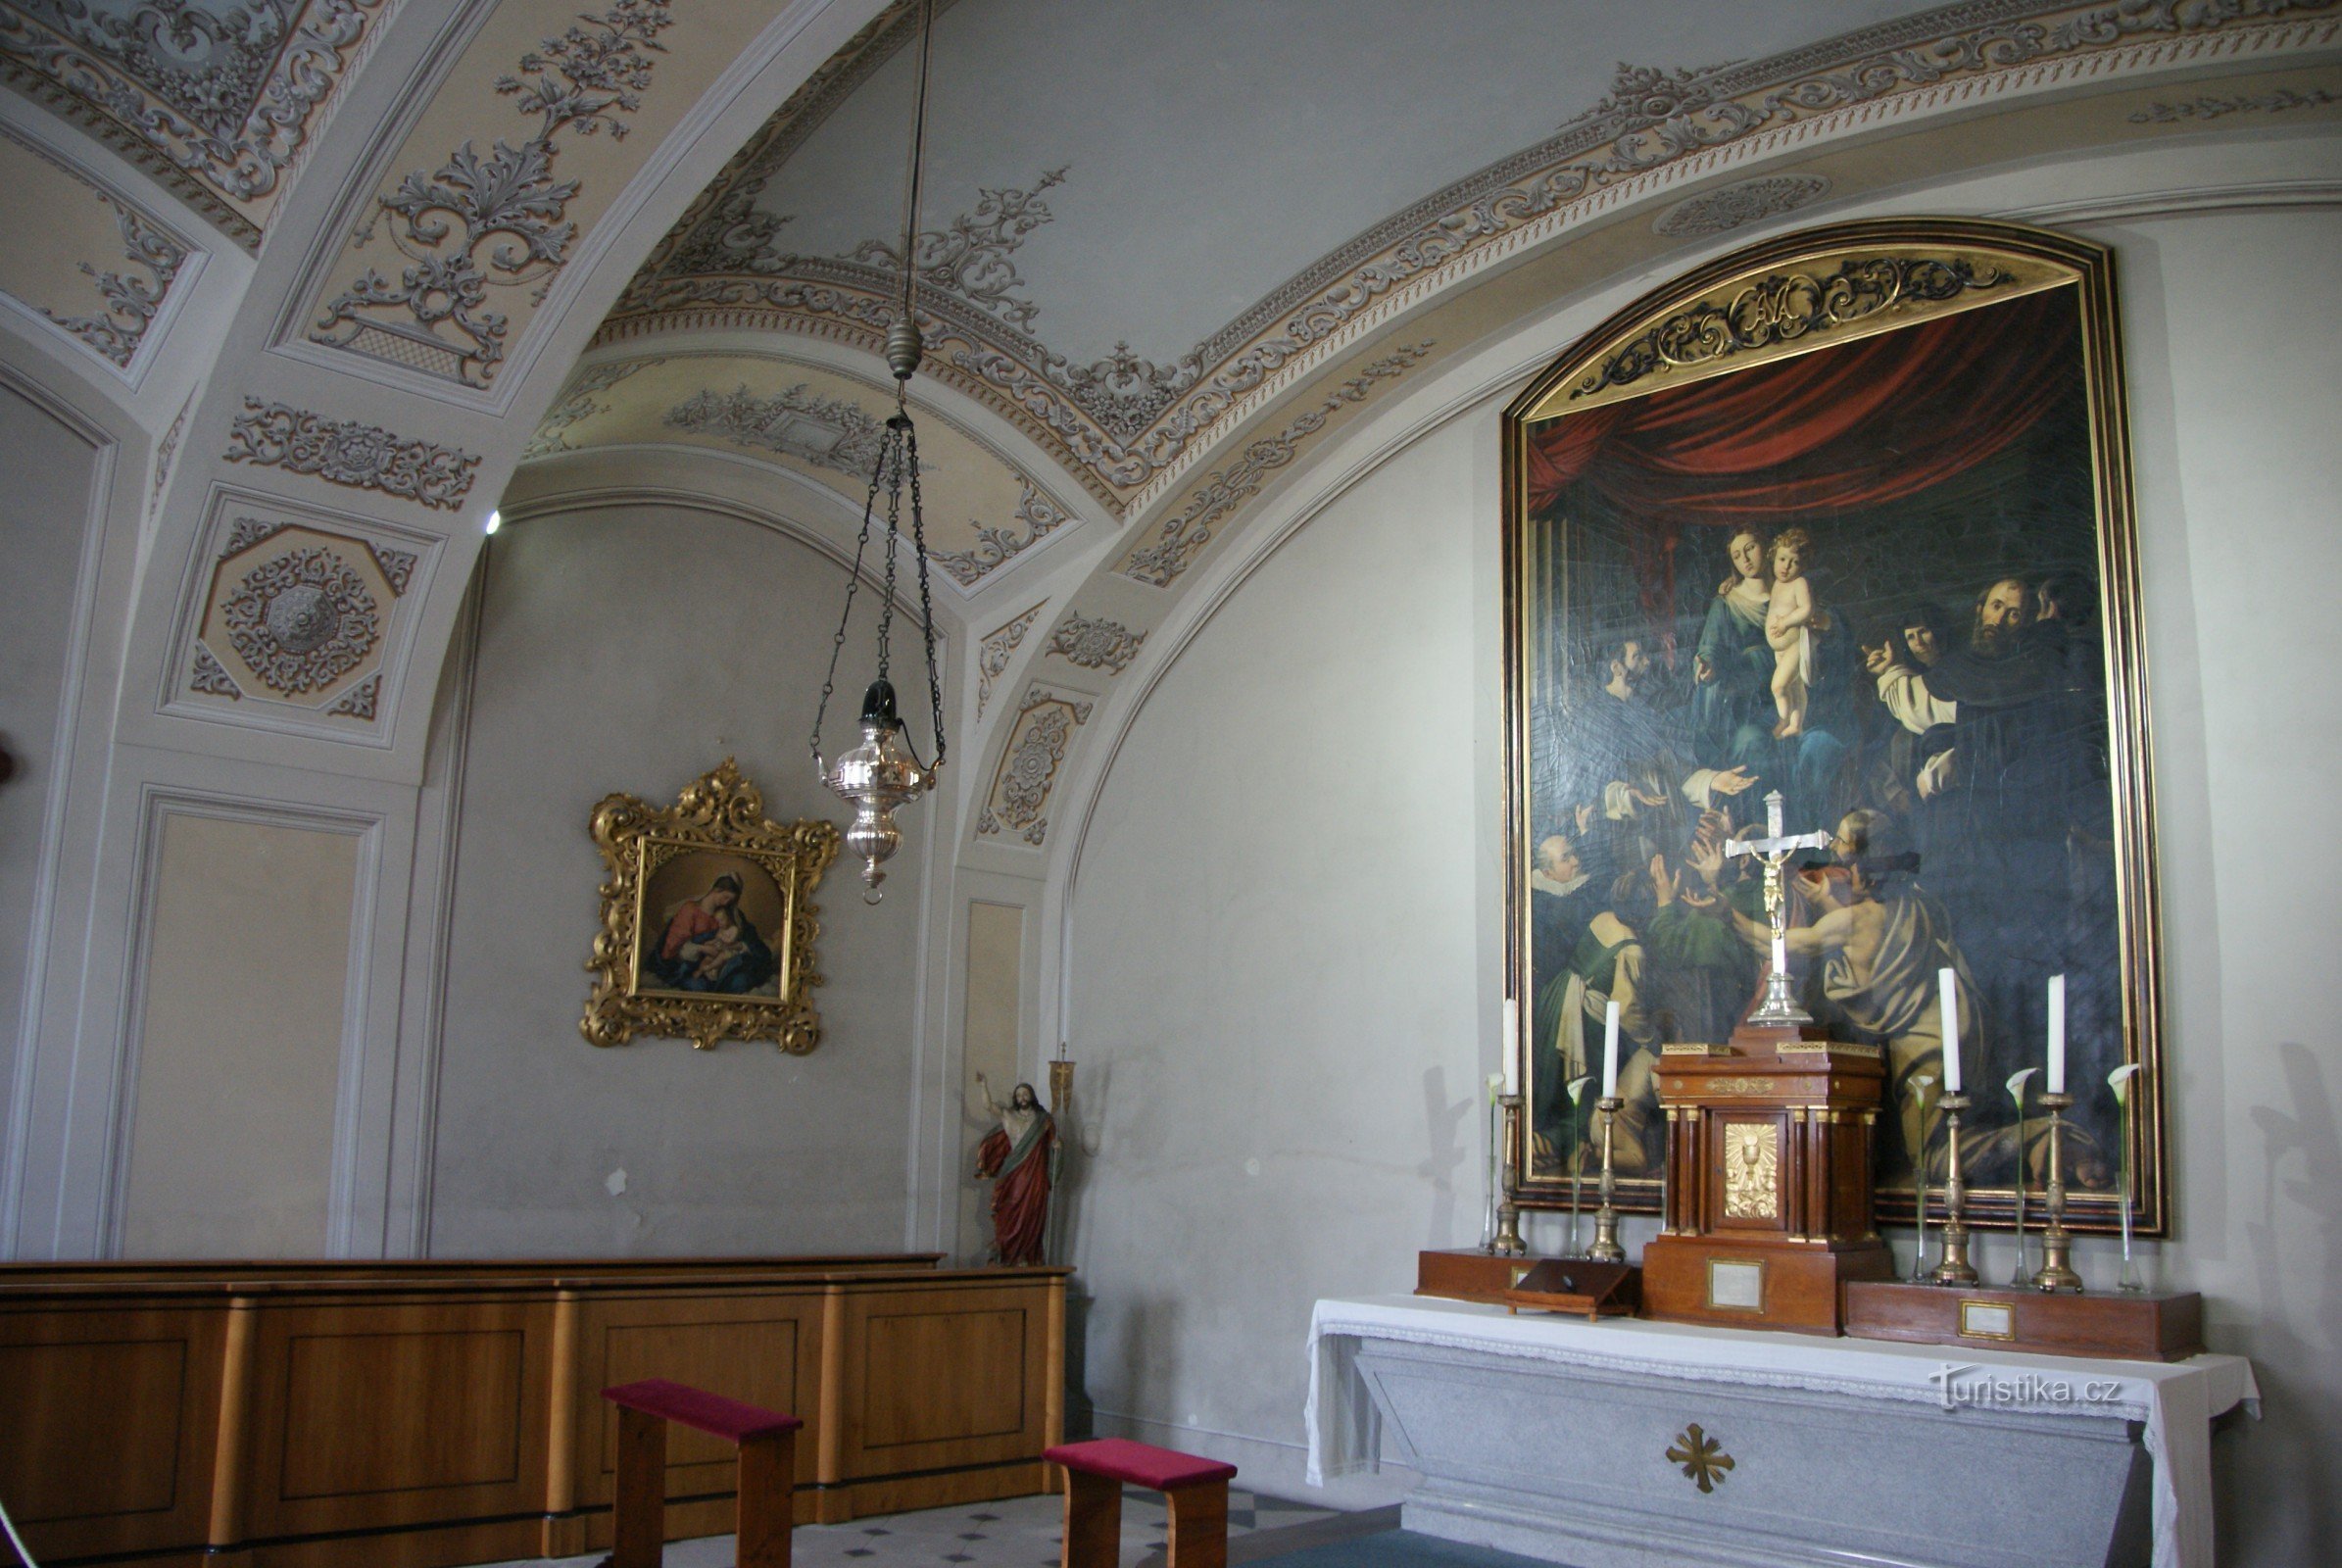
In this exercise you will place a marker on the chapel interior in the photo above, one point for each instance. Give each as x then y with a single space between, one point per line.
854 781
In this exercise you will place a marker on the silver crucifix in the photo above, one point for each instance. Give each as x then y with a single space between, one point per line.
1774 849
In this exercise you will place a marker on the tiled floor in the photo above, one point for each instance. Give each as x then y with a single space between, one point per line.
1016 1533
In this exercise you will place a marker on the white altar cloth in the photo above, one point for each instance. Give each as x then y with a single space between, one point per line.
2174 1400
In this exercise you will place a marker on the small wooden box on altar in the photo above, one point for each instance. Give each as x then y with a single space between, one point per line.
1769 1149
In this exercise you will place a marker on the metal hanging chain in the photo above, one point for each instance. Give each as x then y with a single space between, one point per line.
885 606
854 580
918 528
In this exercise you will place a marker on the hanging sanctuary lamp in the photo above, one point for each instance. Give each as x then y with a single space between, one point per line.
882 771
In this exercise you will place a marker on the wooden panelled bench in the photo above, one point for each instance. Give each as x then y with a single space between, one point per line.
313 1416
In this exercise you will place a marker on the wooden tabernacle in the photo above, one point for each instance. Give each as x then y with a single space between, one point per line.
313 1415
1768 1182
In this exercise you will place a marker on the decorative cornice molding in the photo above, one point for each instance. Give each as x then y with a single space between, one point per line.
346 451
1183 536
506 202
212 99
1654 122
993 652
1096 644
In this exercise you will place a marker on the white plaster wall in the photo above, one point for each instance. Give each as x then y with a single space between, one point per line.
633 648
1279 928
44 511
1274 971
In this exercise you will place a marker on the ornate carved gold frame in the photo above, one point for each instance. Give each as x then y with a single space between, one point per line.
719 811
1815 289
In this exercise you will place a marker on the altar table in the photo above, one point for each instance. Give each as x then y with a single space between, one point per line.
1634 1442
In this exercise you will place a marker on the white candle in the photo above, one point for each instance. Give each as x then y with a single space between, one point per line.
2057 1034
1610 1052
1509 1048
1947 987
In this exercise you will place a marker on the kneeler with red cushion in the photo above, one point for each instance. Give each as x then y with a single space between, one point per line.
1094 1475
767 1443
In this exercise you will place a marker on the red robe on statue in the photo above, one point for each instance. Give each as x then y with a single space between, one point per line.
1020 1186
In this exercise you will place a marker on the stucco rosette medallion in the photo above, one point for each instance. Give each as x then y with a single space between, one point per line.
298 616
707 921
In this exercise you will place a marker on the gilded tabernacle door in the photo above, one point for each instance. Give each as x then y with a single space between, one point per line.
1844 516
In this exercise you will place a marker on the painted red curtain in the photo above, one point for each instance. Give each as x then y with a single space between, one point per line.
1872 421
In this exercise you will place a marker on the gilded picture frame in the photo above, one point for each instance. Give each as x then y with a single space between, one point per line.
1747 521
709 925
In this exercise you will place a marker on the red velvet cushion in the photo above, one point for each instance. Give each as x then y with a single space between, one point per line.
1138 1463
711 1414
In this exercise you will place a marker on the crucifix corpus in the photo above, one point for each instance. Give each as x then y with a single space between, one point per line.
1774 849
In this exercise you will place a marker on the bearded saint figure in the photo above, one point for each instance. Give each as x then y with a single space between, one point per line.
1020 1158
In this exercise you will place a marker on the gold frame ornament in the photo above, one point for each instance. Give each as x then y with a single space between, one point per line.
720 816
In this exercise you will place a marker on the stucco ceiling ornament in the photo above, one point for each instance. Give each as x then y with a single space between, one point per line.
206 675
1046 722
994 651
349 452
1651 119
1096 644
2219 107
831 433
997 547
213 96
358 701
131 301
1183 536
506 202
1718 212
580 401
301 620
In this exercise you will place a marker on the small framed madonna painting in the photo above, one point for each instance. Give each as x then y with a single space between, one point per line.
1845 517
708 920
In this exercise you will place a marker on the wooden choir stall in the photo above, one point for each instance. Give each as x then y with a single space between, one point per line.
408 1415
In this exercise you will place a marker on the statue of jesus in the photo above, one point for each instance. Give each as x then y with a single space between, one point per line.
1020 1158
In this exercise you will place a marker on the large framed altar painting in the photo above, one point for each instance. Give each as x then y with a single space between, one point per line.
1845 516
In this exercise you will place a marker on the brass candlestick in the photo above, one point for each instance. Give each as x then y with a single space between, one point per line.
1954 1269
1508 1213
1606 1249
2057 1246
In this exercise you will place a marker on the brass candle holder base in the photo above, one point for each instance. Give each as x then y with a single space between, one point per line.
1954 1268
1606 1249
1508 1240
2056 1242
